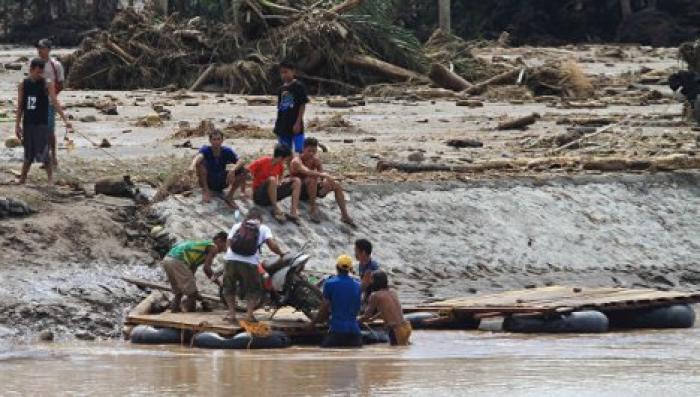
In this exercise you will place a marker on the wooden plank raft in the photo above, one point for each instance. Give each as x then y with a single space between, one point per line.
556 299
287 320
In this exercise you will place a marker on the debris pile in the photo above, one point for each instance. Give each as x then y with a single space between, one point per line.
334 124
232 130
337 49
454 53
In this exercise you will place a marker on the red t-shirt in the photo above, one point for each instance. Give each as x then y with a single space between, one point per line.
263 168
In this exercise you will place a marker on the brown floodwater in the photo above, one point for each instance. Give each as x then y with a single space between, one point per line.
437 364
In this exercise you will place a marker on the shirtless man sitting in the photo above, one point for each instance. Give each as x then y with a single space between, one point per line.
316 183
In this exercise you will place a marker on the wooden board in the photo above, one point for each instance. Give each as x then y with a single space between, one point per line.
286 319
559 299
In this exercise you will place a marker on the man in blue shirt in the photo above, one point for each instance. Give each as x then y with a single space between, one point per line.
366 266
341 300
212 174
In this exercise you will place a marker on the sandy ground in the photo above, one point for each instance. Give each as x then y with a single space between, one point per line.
441 234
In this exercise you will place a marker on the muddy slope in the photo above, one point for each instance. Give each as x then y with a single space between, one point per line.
62 267
446 239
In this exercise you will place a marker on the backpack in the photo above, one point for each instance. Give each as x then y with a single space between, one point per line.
58 85
245 240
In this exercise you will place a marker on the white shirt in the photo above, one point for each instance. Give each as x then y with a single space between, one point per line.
265 234
49 74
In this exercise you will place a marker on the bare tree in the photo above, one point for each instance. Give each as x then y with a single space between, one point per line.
626 8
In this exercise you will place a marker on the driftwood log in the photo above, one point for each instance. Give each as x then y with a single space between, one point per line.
126 57
519 123
346 6
509 77
604 164
144 307
203 77
384 68
462 143
445 78
436 167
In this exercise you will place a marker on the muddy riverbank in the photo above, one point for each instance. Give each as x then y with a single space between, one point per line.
439 240
441 234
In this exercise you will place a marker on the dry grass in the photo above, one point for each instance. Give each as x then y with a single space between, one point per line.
575 81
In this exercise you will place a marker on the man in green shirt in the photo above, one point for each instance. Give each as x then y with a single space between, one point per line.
181 263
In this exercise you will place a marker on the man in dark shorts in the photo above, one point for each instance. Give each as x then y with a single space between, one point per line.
384 302
341 301
212 174
316 183
291 105
180 266
242 267
269 187
34 95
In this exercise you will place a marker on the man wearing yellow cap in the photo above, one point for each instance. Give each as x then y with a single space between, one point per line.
341 300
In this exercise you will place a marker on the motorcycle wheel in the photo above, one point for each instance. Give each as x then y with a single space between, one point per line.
305 297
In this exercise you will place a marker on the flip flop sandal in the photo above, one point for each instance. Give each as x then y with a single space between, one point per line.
278 216
230 203
315 218
292 218
349 222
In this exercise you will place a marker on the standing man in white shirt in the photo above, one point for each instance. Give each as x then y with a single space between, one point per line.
53 73
242 258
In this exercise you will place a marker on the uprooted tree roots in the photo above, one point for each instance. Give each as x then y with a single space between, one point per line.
137 51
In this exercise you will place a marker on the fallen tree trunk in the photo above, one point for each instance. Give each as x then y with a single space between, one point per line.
604 164
339 83
346 6
519 123
144 307
478 167
203 77
445 78
384 68
127 58
509 77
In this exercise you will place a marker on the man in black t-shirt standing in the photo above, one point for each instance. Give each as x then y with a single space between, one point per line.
291 104
34 95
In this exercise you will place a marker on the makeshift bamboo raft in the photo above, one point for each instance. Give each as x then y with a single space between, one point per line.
557 299
556 309
285 320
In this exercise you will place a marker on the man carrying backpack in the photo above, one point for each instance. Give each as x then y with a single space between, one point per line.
53 73
242 258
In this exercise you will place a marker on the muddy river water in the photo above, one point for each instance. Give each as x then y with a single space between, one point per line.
437 364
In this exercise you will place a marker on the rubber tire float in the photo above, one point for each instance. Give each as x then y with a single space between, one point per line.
589 321
211 340
674 316
148 335
421 320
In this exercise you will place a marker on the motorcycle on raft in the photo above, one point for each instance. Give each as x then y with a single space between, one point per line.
285 285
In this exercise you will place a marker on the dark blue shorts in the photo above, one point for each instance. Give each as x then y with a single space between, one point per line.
342 339
295 142
217 183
